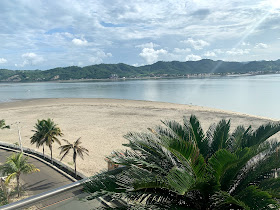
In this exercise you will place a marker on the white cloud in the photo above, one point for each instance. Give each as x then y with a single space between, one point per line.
151 55
261 46
218 51
235 51
193 57
196 44
80 42
99 56
245 43
3 60
181 51
137 64
210 54
31 59
53 32
147 45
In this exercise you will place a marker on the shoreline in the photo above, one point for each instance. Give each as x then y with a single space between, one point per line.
191 76
101 123
20 102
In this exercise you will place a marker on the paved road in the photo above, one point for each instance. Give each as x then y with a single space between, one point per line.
42 181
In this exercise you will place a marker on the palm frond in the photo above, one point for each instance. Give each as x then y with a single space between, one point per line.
223 200
64 151
77 142
81 151
177 166
260 169
257 199
10 176
175 130
197 134
261 134
220 162
219 136
187 154
180 180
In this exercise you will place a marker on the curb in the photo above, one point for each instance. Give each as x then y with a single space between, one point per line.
43 161
57 165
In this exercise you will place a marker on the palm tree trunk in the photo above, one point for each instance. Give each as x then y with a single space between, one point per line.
51 153
18 185
75 170
74 159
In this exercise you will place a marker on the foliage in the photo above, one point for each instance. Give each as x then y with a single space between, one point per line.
16 165
3 125
174 68
77 150
46 133
179 166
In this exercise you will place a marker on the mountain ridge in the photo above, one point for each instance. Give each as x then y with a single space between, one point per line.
158 69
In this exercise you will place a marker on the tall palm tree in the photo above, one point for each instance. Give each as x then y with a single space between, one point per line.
180 166
3 125
46 133
16 165
38 136
77 150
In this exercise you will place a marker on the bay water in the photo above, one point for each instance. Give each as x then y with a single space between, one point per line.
255 95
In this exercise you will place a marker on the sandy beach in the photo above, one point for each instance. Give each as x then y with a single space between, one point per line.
101 123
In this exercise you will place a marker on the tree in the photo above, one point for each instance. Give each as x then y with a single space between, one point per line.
3 125
77 150
38 136
180 166
16 165
46 133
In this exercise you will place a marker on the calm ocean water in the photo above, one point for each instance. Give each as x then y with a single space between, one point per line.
257 95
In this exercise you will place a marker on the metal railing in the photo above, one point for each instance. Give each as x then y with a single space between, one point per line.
45 158
31 201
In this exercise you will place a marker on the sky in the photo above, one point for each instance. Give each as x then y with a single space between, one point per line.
44 34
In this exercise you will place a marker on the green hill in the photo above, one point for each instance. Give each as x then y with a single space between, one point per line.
173 68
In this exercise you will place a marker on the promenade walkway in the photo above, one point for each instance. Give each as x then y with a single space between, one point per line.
47 179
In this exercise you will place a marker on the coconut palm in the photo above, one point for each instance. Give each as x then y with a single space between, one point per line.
3 125
46 133
77 150
16 165
180 166
38 136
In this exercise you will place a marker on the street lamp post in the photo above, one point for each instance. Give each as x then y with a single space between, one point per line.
19 135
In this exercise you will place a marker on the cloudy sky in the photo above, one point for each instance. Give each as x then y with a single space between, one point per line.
43 34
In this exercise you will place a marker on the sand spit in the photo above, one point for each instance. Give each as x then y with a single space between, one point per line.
102 122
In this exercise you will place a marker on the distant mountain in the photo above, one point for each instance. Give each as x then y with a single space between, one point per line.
160 69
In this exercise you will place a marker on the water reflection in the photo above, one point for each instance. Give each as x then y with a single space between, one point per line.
256 95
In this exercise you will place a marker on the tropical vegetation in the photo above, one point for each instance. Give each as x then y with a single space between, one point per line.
179 166
3 125
161 68
77 150
16 165
46 133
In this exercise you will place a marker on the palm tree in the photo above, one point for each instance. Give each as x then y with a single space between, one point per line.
3 125
16 165
46 133
38 136
180 166
77 149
